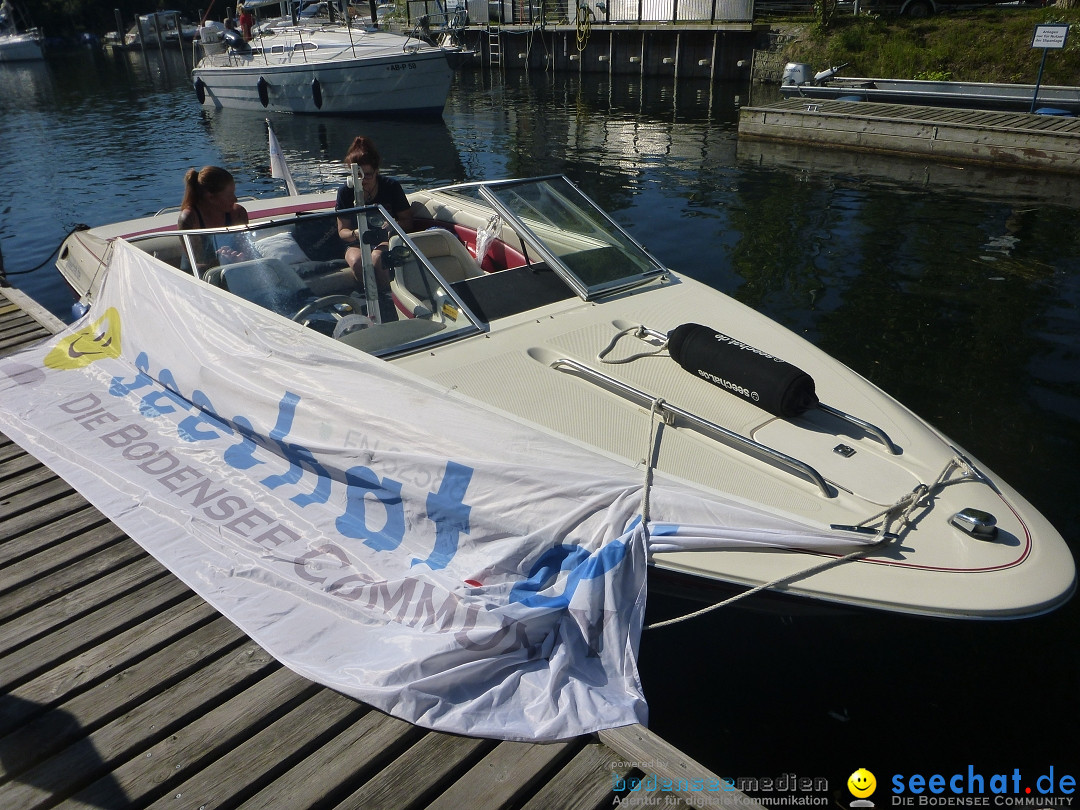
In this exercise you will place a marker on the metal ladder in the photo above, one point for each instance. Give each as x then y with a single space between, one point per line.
494 45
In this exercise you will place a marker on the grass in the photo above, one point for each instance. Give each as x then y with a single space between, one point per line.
990 44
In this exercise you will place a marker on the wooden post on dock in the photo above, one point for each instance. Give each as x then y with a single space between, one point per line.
119 27
160 35
142 35
180 40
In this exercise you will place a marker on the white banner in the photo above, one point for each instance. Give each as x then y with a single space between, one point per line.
374 533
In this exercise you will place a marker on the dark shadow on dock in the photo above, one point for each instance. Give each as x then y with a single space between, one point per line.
36 734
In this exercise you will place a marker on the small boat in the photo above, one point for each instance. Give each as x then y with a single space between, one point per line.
19 41
167 27
799 82
524 297
325 65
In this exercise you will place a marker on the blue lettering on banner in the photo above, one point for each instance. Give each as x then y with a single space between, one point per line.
190 428
362 481
446 508
581 564
298 457
451 516
241 456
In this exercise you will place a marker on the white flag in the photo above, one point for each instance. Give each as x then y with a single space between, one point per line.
278 167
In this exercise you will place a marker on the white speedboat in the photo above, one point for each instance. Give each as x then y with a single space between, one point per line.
19 42
523 299
308 66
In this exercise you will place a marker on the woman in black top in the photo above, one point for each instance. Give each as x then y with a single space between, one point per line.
375 189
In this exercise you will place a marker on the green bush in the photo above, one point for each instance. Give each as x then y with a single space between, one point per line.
989 44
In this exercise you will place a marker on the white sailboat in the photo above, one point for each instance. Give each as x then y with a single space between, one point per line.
324 65
19 41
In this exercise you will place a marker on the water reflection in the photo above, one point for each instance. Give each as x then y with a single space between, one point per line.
416 152
25 84
912 175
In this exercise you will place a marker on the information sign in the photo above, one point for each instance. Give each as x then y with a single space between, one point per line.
1050 36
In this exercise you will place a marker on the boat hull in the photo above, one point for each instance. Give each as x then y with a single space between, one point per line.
401 83
20 48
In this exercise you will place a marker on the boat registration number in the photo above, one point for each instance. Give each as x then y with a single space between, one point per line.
402 66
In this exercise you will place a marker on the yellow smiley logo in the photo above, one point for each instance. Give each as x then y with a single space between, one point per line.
861 783
99 340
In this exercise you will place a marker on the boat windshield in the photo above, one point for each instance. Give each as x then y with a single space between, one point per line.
296 267
568 230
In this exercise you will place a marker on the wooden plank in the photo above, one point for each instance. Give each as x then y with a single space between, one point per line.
18 466
75 604
97 753
415 777
348 760
31 495
70 516
510 772
8 449
75 674
584 783
18 323
126 689
21 339
68 638
49 322
38 481
57 571
166 770
260 756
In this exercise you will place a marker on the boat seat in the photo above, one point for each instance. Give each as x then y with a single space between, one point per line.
415 291
270 283
213 277
447 254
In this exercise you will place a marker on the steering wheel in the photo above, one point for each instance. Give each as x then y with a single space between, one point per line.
326 302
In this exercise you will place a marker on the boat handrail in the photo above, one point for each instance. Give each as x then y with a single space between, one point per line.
734 440
868 427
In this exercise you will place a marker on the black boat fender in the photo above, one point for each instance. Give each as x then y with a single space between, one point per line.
316 93
774 385
200 90
264 91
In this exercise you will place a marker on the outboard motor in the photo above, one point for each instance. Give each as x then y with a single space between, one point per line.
772 384
235 40
796 73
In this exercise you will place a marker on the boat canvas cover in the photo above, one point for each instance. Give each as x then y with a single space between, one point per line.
436 559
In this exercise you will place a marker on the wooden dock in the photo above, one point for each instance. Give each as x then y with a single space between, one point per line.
119 687
1014 140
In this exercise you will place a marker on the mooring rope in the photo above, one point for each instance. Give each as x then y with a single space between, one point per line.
901 510
583 23
639 331
55 250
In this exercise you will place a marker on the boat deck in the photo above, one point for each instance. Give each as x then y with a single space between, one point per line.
122 688
1007 139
